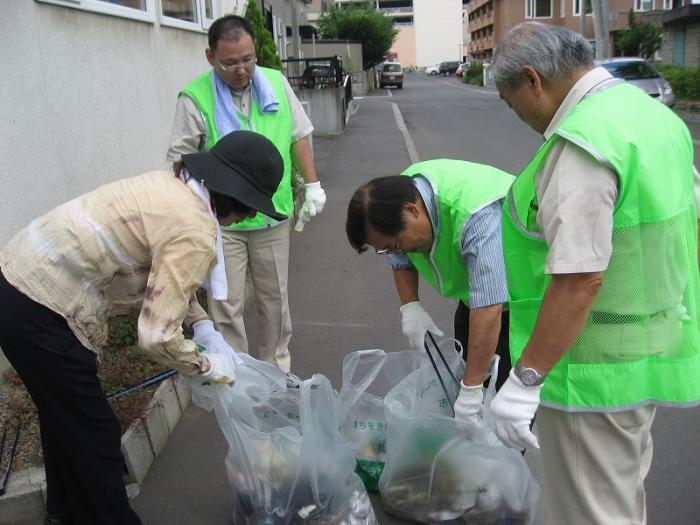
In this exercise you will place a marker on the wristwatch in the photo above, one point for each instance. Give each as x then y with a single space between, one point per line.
528 376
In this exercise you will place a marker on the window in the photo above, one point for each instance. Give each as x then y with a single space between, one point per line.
187 14
136 9
577 8
643 5
538 8
196 15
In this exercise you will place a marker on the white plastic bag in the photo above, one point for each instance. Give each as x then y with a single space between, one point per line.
436 473
287 462
368 375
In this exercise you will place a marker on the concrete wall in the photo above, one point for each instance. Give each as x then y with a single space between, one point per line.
692 44
327 109
405 45
87 99
438 27
345 50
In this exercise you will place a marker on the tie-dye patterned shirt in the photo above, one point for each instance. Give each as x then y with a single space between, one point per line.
146 240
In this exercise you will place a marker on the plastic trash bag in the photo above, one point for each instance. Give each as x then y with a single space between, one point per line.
368 375
287 462
437 473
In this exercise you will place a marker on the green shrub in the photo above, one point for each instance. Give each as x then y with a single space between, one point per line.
474 74
685 81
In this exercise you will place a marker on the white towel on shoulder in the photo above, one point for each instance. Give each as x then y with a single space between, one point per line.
215 282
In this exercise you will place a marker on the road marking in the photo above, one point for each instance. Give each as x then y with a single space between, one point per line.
388 91
410 146
481 91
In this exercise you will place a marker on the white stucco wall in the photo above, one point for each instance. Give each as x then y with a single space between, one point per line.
86 99
438 26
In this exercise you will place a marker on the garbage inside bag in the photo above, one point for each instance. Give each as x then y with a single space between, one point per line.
436 473
287 462
368 375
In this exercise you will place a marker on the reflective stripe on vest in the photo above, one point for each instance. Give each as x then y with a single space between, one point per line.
275 126
641 341
460 188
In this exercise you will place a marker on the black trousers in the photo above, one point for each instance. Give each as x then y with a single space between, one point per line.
80 435
502 349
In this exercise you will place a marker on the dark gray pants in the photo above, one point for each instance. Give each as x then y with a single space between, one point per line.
80 435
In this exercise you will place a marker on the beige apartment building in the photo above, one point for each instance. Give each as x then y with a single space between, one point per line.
489 19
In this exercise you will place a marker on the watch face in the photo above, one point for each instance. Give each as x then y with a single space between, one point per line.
529 377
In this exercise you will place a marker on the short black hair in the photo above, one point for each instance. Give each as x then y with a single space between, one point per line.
379 203
225 205
229 27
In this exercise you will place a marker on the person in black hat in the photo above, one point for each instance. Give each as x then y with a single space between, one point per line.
148 241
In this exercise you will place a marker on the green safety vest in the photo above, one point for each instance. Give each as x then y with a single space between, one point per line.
640 342
275 126
460 188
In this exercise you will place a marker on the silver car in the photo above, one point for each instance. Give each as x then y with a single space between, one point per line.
642 74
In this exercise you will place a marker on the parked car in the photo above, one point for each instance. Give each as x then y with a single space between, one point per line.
433 70
391 74
642 74
448 68
461 69
316 75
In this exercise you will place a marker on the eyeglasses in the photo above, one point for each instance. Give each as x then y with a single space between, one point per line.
232 67
387 251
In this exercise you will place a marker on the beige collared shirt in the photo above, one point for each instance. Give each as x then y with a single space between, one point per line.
576 194
146 241
189 133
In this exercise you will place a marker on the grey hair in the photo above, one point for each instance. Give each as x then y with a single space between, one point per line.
554 52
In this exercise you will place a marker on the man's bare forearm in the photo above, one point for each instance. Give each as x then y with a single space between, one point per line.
406 282
563 314
484 329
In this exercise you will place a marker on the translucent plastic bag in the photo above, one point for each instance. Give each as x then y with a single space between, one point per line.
436 472
287 462
368 375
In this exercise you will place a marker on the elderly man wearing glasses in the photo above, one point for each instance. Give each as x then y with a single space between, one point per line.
442 219
237 94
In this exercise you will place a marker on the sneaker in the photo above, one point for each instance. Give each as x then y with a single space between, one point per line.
293 380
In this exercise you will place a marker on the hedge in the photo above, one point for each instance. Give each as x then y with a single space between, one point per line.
474 74
685 81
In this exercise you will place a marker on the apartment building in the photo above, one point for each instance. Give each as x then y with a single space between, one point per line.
489 19
681 31
430 31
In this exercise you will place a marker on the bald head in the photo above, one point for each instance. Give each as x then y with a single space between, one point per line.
556 53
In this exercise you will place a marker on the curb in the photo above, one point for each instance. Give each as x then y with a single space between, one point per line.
141 443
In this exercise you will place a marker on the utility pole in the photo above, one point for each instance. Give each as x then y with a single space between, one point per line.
600 28
295 30
582 11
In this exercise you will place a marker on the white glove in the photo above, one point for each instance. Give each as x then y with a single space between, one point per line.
213 342
314 201
512 410
415 322
468 406
221 368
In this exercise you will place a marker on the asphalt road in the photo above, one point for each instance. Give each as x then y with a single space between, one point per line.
342 301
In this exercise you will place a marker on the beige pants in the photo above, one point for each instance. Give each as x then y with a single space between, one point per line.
265 253
594 465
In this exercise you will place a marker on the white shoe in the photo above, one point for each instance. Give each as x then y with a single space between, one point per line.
293 380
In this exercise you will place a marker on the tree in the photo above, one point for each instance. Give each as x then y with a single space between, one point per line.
640 39
265 47
364 23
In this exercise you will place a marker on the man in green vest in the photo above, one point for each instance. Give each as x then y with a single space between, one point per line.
600 240
237 95
442 219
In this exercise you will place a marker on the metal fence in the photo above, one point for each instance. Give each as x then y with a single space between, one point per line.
314 73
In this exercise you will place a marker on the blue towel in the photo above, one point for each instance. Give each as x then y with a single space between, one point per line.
225 115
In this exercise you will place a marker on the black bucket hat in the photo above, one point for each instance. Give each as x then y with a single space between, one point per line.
244 165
